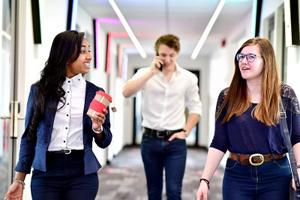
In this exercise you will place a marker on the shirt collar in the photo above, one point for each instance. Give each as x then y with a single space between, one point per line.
75 80
178 69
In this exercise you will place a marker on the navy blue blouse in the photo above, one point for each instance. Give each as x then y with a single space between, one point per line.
245 134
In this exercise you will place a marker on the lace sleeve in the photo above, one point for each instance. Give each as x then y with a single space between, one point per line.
289 98
220 101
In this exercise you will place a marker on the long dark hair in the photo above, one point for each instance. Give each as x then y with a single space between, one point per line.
65 49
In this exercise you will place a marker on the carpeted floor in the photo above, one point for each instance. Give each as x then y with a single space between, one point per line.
124 178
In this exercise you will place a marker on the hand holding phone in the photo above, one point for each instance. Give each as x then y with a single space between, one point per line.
161 65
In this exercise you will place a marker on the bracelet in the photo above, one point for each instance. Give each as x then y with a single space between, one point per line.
298 166
20 182
206 181
98 131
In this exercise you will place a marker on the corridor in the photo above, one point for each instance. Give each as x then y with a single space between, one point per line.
123 178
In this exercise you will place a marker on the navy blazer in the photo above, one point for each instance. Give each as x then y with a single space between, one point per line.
34 154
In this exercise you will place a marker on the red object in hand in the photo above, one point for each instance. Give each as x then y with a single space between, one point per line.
99 103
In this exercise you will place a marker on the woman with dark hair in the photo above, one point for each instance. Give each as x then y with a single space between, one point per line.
248 126
57 141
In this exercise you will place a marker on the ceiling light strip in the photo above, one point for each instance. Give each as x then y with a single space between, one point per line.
207 29
254 13
128 29
74 14
167 16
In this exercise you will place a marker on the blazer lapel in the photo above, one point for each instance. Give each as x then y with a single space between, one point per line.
89 95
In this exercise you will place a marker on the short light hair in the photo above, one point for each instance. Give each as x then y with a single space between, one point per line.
170 40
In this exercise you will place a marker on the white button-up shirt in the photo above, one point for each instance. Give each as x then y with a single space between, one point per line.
164 102
67 127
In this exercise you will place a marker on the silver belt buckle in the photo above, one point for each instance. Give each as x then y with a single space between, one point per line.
67 151
256 159
159 134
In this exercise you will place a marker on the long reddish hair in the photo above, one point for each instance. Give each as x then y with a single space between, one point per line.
237 101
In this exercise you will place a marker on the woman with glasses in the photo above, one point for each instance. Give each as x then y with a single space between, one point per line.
247 125
58 136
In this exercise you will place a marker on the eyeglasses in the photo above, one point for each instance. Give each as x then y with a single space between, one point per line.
249 57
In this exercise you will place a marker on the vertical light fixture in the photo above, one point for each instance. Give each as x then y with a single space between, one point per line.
36 22
254 13
167 16
207 29
128 29
72 14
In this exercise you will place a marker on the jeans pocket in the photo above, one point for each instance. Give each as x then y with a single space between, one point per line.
231 164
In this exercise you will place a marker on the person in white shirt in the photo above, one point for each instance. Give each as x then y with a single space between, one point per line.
58 135
167 90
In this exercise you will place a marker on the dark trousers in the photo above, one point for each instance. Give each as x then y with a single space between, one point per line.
64 179
159 154
270 181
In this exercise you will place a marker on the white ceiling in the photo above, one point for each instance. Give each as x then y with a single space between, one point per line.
185 18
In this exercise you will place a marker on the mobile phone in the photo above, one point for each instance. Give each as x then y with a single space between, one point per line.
161 65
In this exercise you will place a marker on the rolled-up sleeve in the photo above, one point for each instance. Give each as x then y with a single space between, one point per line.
220 140
107 135
192 97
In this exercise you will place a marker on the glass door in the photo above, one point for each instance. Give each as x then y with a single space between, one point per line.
8 104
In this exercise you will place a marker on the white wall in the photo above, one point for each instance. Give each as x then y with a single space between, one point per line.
293 69
293 53
32 57
268 8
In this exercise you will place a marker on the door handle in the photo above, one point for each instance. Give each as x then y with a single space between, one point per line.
13 125
14 118
5 117
8 117
14 112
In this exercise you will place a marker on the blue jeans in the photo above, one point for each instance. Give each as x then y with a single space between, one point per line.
64 179
270 181
159 154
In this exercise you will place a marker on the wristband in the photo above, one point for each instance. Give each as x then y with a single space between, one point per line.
206 181
298 166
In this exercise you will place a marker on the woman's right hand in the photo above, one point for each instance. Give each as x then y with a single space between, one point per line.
15 191
202 193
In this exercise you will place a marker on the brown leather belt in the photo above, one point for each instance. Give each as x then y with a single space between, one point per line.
255 159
